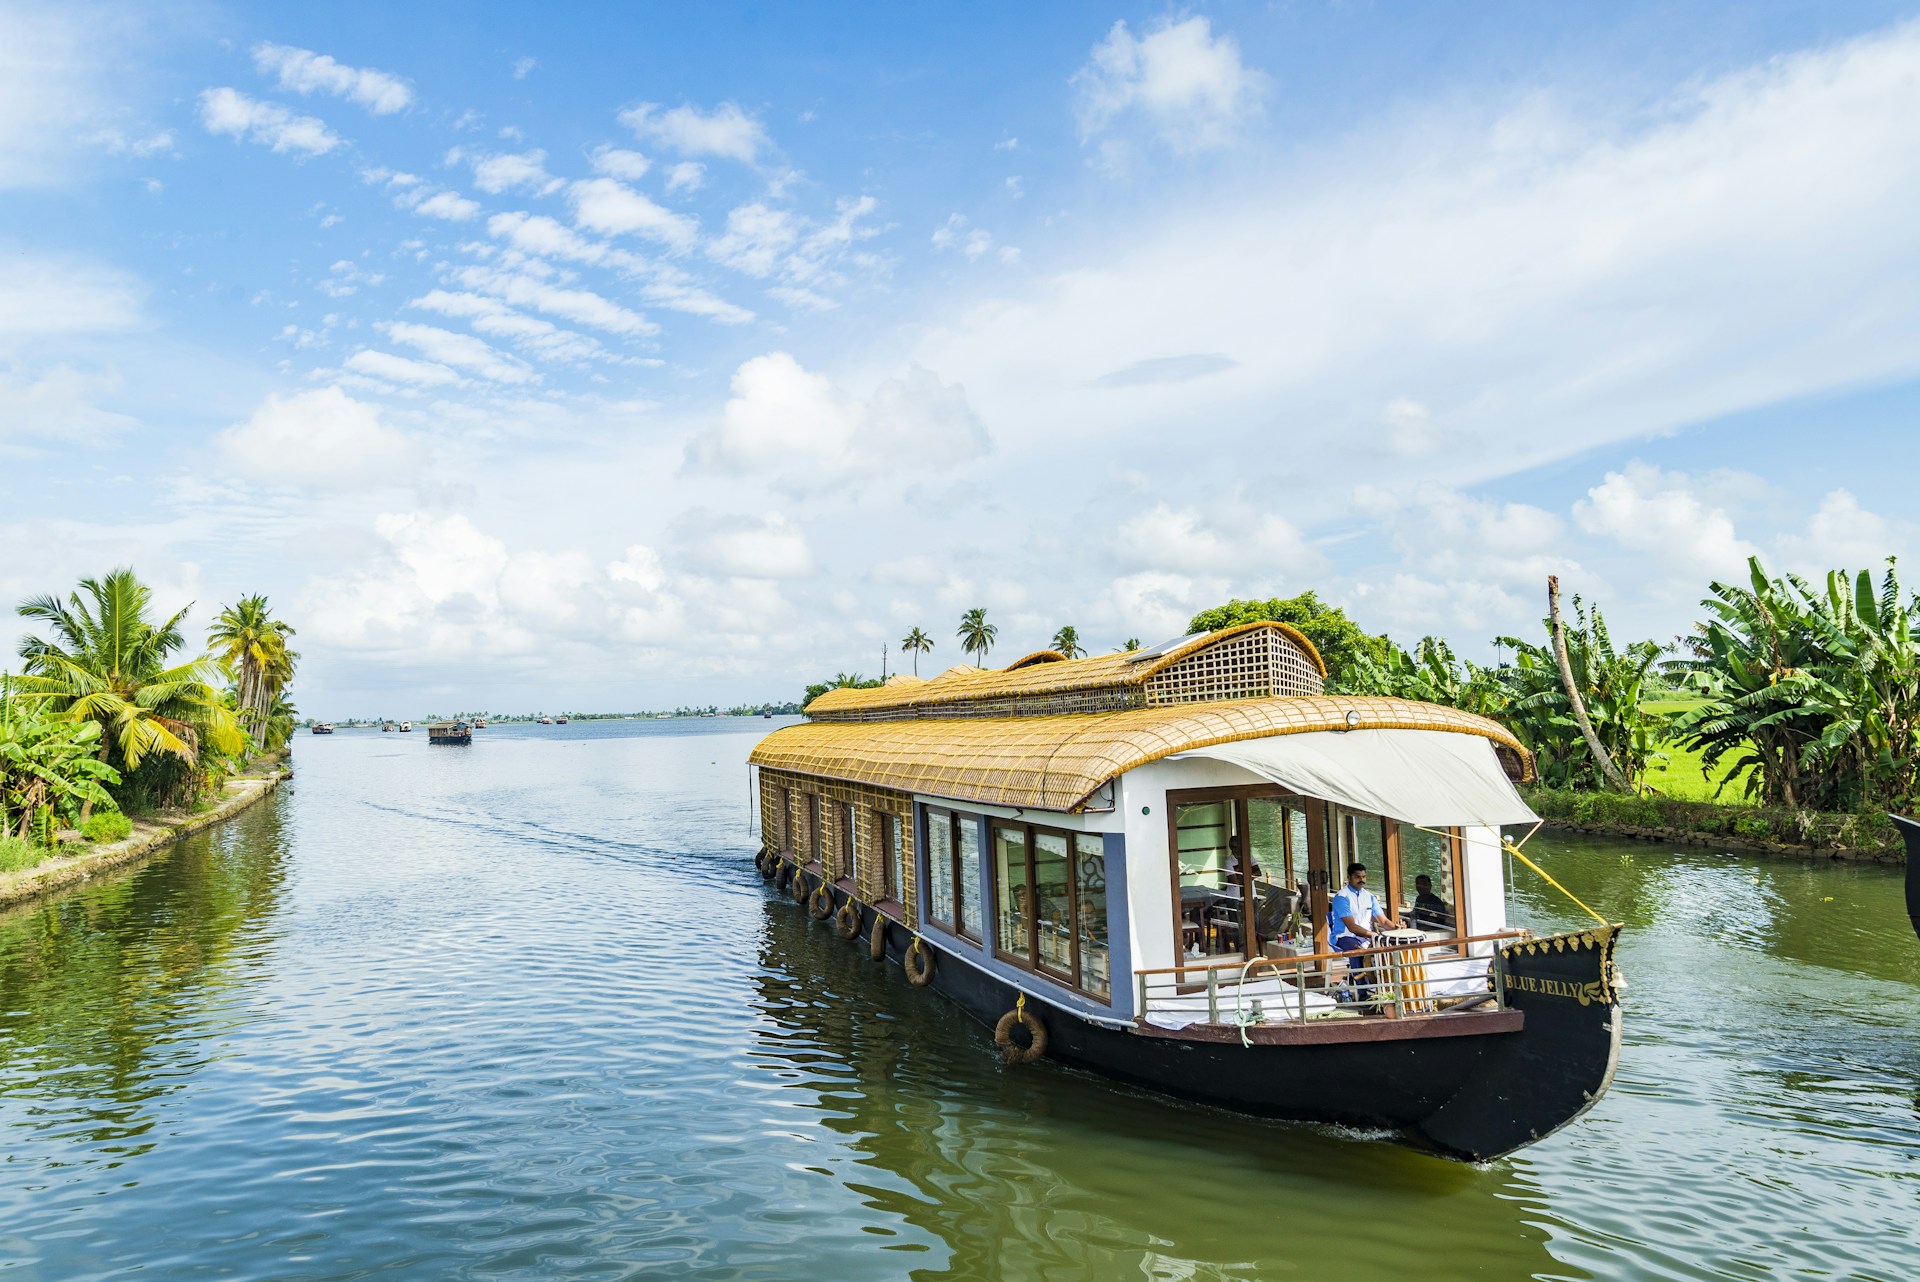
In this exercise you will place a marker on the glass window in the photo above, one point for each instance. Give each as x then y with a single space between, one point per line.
940 866
1052 883
1211 904
815 838
1279 866
849 860
890 860
967 850
775 820
1012 910
1090 911
1434 903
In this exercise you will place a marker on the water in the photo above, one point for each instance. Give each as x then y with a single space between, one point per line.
523 1011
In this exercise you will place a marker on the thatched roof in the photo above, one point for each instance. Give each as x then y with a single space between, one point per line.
1048 673
1056 762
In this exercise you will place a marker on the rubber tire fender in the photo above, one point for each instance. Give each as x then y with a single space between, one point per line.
846 922
797 886
820 903
769 865
918 963
1011 1051
877 942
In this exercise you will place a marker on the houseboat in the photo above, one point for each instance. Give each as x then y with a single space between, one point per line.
1910 829
406 727
323 727
458 732
1128 863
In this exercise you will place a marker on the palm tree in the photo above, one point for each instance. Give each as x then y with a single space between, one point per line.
916 643
1128 646
253 645
1067 642
976 634
107 663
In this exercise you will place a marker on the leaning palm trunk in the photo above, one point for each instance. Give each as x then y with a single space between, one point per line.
1600 756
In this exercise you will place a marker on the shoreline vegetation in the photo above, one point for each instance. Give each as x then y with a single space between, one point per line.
110 742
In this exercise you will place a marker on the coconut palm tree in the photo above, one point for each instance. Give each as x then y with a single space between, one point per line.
253 645
976 634
107 663
916 643
1128 646
1067 642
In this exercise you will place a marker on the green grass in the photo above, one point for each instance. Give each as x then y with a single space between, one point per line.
17 854
108 825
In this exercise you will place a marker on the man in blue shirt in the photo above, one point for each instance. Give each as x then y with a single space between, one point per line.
1352 923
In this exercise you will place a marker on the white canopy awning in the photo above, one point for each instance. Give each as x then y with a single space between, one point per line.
1427 777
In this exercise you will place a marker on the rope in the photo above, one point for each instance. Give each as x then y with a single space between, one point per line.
1516 852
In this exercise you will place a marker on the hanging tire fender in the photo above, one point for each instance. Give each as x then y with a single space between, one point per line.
846 922
877 941
820 905
918 963
1011 1051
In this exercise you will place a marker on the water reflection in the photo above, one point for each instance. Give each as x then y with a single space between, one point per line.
116 995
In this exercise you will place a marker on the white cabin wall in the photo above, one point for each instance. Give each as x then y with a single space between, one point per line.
1486 893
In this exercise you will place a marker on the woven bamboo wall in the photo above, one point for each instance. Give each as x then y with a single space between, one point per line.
868 802
1252 665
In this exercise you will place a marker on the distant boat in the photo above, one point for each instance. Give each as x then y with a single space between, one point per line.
479 723
1910 829
545 721
559 721
457 732
323 727
767 715
386 727
406 727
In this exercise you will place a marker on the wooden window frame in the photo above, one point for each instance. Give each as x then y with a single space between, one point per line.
887 822
847 865
816 844
955 921
1032 963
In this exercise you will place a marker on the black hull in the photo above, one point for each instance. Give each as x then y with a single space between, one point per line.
1471 1086
1910 829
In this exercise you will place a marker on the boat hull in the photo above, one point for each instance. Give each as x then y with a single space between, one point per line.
1475 1085
1910 829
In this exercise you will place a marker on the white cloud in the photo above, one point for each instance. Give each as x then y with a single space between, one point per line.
757 238
1842 535
399 369
459 351
1190 84
603 205
228 111
321 439
59 403
614 162
785 420
747 547
1232 539
509 171
522 66
1662 516
42 296
955 234
581 306
1409 427
450 205
688 175
492 317
725 131
304 72
119 144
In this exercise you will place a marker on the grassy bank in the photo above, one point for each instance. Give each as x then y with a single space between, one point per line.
1782 829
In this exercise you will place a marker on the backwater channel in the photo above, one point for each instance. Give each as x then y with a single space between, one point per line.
524 1011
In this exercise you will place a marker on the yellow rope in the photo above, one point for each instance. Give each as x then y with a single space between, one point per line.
1020 1009
1516 853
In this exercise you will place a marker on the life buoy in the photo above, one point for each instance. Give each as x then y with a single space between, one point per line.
918 963
820 907
877 942
1011 1051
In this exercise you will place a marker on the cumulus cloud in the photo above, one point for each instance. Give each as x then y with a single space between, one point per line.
497 172
615 162
747 547
1842 535
688 175
58 403
581 306
228 111
1662 516
321 439
387 367
1188 83
784 420
611 208
450 205
726 131
304 72
1232 538
492 317
44 295
460 351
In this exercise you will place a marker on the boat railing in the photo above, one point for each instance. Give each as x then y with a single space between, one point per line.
1428 976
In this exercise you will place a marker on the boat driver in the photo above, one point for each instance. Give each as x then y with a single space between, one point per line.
1356 916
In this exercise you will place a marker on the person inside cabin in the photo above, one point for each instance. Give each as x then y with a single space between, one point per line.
1356 917
1430 912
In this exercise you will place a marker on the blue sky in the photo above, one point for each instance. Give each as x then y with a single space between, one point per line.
634 355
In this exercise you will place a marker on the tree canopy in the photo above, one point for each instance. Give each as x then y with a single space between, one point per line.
1339 640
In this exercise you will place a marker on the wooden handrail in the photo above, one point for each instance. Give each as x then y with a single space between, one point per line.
1305 958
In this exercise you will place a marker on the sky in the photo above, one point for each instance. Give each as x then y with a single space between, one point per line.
628 356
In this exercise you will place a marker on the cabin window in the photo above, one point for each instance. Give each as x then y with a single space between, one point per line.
890 870
953 871
1427 853
1240 872
940 866
1050 903
774 822
849 853
814 835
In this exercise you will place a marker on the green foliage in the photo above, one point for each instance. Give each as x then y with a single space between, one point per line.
1067 642
916 643
1613 684
1129 646
107 663
107 826
18 854
840 681
1811 696
252 645
1432 674
1339 640
1813 831
976 635
50 767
